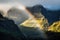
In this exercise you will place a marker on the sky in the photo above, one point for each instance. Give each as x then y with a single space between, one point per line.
51 4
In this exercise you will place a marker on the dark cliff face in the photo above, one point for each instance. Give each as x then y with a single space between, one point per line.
9 30
51 16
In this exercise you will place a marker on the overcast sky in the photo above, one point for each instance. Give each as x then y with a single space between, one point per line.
51 4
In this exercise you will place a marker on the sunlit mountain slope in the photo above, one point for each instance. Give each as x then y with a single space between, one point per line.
55 27
41 22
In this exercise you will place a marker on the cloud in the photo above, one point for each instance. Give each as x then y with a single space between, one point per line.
33 2
52 4
5 1
24 2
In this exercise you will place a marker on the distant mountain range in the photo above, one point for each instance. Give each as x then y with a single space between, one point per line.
51 15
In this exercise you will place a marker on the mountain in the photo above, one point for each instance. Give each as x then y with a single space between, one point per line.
9 30
50 15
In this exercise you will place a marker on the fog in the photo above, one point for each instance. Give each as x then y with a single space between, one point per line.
19 13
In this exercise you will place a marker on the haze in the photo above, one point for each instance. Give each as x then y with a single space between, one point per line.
51 4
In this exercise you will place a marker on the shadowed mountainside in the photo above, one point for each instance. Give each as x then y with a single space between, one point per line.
53 35
9 30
